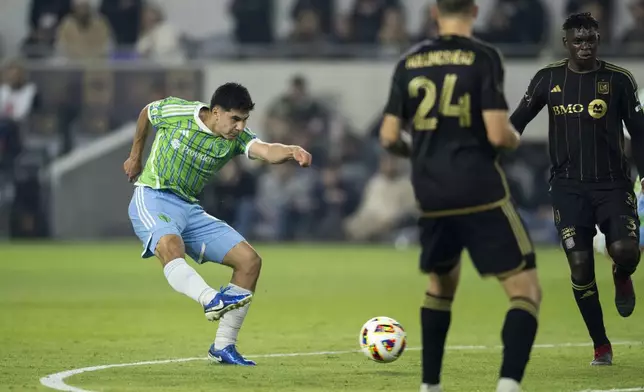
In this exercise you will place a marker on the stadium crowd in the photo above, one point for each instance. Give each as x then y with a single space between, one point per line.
356 191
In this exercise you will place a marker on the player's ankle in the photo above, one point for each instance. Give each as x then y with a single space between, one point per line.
431 388
508 385
207 295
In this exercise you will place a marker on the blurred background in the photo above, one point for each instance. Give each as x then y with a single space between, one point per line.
77 72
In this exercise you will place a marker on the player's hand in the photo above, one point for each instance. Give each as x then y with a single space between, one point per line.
132 168
302 156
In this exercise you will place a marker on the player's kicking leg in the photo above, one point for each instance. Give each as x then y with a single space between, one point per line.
210 239
158 218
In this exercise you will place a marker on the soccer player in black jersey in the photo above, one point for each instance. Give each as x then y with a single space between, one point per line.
449 91
590 183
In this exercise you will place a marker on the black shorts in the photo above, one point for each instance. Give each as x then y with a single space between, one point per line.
496 240
577 210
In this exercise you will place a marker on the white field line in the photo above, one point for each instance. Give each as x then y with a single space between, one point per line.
57 380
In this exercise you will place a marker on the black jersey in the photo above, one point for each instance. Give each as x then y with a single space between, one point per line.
586 111
440 89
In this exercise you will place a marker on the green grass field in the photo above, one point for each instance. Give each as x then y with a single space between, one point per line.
67 306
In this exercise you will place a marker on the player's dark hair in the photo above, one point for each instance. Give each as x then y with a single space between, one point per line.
232 96
454 6
580 20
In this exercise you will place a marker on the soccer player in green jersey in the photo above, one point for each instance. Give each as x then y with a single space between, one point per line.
193 141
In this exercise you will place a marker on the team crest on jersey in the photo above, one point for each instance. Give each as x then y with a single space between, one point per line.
603 87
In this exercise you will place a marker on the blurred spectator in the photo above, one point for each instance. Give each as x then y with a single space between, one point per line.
296 112
324 8
253 21
124 17
44 18
284 202
635 34
387 201
84 34
367 17
232 197
342 29
308 34
159 40
517 21
335 200
602 10
48 14
392 34
18 96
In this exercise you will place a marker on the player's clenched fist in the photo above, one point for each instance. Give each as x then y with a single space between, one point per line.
302 157
132 168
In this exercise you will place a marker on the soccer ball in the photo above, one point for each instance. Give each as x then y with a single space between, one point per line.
383 339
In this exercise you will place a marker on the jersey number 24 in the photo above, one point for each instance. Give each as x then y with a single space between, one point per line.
445 106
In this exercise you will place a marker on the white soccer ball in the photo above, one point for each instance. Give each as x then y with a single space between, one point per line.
383 339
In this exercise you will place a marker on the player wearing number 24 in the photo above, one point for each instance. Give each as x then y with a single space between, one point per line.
449 91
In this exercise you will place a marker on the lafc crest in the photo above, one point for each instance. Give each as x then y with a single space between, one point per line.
603 87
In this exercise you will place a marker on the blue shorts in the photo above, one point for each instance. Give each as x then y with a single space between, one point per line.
156 213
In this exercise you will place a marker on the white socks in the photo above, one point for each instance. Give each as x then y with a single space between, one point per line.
430 388
186 280
508 385
231 322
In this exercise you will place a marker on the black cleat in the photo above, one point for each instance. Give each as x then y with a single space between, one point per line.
624 294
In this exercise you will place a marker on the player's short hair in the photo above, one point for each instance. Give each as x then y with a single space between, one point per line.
232 96
455 6
580 20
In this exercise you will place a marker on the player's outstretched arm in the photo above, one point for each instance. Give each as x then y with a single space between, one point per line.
133 164
530 105
276 153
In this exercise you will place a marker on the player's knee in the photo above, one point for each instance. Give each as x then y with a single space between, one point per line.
170 247
524 284
244 259
625 253
582 270
253 264
444 284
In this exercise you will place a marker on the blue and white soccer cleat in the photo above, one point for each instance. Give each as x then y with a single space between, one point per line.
228 355
223 303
